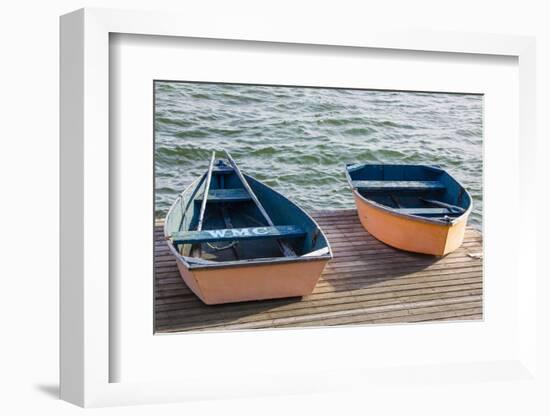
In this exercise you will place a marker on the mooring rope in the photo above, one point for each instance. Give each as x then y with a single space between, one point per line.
213 247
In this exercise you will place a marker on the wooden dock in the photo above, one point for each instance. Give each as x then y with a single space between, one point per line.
366 282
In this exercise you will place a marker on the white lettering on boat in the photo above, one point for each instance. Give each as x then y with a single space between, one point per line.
241 233
217 233
236 232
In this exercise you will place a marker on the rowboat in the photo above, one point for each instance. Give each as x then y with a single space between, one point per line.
236 239
421 209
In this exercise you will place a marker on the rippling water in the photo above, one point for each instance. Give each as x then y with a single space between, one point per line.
298 140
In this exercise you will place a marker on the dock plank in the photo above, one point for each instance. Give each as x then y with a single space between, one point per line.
367 282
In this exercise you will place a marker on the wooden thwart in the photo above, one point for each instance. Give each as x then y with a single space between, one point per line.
237 234
226 195
398 185
222 170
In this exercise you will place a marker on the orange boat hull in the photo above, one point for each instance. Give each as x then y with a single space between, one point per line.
410 234
217 285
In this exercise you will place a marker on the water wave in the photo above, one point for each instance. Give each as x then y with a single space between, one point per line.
299 139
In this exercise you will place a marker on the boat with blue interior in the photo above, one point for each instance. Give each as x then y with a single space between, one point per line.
237 239
416 208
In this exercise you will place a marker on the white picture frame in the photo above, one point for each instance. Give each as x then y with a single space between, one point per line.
85 212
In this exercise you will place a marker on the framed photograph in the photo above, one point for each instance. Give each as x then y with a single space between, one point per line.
270 214
264 261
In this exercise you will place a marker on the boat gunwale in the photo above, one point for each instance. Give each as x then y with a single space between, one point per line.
393 211
192 263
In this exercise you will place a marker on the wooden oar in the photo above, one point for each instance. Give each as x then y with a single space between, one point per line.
456 208
184 209
285 248
197 252
190 200
206 189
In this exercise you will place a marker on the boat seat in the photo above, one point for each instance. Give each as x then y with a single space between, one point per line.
237 234
226 195
426 212
398 185
222 170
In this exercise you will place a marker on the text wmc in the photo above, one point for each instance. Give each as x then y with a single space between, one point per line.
244 232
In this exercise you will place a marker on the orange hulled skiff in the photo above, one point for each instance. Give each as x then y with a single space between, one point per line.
236 239
415 208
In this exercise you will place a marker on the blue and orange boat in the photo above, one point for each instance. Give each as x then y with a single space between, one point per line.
416 208
236 239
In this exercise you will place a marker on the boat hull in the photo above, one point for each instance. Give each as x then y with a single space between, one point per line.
217 285
408 233
255 269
